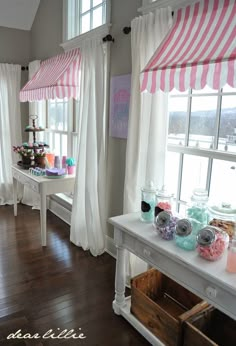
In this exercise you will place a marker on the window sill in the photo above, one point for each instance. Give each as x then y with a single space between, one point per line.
76 42
63 199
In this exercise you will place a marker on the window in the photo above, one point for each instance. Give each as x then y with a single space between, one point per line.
202 143
61 120
83 16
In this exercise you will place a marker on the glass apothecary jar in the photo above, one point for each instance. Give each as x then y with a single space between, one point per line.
224 217
165 224
197 208
186 233
212 243
148 202
231 258
163 201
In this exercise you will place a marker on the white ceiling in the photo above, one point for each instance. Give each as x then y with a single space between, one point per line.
18 14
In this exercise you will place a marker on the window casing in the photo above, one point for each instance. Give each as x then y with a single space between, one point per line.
81 16
202 144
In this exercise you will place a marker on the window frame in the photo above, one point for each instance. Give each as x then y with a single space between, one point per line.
65 19
211 154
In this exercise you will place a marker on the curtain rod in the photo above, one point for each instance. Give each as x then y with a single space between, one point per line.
23 68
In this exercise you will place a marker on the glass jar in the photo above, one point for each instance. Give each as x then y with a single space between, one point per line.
163 201
212 242
231 258
198 209
224 217
165 224
148 201
186 233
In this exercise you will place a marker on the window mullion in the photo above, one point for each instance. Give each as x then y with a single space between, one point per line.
187 129
217 121
178 194
209 173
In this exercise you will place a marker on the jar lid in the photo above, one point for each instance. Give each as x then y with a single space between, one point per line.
206 236
183 228
225 209
149 187
163 219
164 193
199 195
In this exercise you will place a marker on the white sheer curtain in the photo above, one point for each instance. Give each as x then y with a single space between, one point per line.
88 219
35 108
148 120
10 126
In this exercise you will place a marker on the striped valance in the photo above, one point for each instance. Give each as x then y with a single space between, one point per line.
57 77
199 50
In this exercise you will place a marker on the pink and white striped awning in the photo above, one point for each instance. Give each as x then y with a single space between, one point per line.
57 77
199 50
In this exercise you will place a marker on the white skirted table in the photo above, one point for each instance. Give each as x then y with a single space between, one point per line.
208 280
44 187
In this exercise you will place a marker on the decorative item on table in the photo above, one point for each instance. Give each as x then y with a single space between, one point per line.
55 172
37 171
212 243
224 217
186 233
231 257
50 159
57 162
70 164
40 158
63 161
148 194
163 201
165 224
198 208
25 154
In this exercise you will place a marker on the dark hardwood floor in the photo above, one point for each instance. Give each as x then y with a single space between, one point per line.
59 286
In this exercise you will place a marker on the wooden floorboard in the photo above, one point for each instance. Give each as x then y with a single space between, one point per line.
57 287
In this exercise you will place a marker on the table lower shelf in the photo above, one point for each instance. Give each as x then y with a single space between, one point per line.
125 312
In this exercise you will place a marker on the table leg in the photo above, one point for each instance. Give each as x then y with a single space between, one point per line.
15 196
119 301
43 218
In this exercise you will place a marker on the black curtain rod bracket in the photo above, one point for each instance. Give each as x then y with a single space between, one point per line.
108 38
24 68
127 30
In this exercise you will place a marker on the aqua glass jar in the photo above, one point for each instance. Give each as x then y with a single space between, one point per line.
148 200
198 209
186 233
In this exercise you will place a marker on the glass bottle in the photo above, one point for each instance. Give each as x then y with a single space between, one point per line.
165 224
148 200
212 242
224 217
163 201
198 208
186 233
231 258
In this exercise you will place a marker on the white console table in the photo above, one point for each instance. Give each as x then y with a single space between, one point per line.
208 280
44 187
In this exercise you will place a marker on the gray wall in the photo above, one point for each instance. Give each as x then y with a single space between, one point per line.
15 49
46 31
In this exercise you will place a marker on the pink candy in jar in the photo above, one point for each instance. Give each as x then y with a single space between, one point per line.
212 242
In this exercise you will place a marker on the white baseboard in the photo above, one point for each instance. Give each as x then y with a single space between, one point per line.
65 214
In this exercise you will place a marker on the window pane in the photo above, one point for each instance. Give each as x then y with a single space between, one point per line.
64 145
202 121
52 115
85 23
57 144
172 171
194 175
85 5
97 17
177 119
96 2
223 187
59 116
227 134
